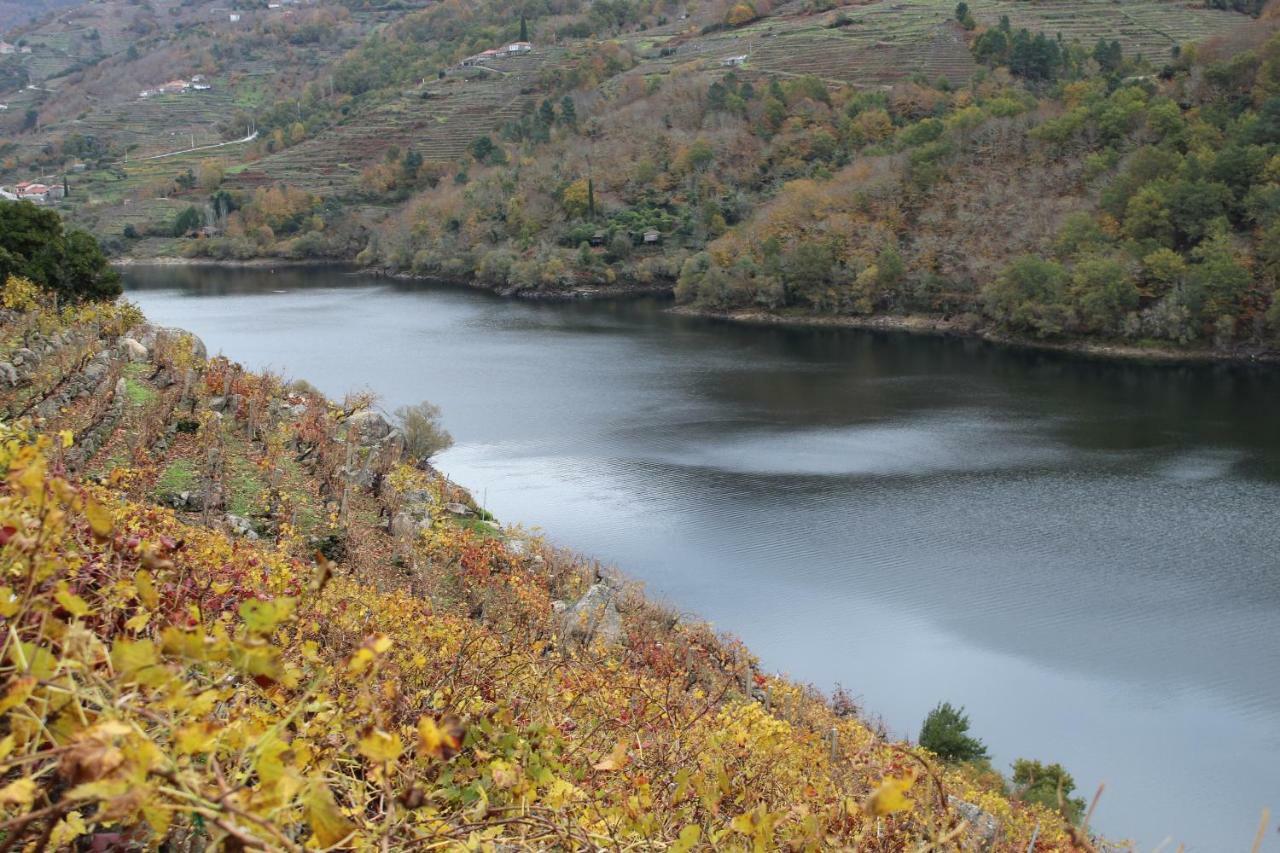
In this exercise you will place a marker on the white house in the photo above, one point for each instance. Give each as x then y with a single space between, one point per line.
6 48
519 47
235 17
733 61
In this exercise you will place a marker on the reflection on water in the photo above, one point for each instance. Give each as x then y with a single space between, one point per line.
1084 554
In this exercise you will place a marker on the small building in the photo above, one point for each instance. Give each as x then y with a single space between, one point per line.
35 192
3 107
519 47
235 17
652 237
77 168
597 239
6 48
734 61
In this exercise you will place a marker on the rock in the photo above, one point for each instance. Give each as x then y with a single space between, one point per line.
983 826
595 616
9 373
134 350
369 426
559 606
93 371
241 526
217 404
455 508
409 524
23 357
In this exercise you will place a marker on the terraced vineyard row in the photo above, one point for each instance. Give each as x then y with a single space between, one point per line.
891 40
161 123
440 127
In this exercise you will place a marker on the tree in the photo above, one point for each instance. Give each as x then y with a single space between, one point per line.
1030 294
1049 785
424 436
524 28
547 113
187 221
568 112
34 245
576 198
946 734
1104 291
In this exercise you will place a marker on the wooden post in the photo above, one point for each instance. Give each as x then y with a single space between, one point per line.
834 745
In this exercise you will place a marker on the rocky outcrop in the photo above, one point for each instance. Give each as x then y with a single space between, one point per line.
595 616
983 826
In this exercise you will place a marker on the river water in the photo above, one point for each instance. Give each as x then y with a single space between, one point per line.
1085 555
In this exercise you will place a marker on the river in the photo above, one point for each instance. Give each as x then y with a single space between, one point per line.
1085 555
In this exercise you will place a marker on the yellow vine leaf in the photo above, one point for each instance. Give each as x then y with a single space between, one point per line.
439 740
891 797
262 617
378 745
72 603
100 519
146 589
689 838
615 760
9 603
19 792
328 825
67 436
18 691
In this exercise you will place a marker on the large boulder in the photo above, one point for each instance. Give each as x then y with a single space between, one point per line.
133 350
983 826
368 426
595 616
9 373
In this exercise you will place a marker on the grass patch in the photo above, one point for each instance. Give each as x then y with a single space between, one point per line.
179 477
137 393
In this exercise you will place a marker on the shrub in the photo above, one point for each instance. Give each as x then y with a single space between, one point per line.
946 734
423 435
1048 785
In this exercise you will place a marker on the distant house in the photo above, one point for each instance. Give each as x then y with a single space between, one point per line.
597 239
35 192
6 48
26 48
174 87
3 107
235 17
652 237
734 61
78 167
519 47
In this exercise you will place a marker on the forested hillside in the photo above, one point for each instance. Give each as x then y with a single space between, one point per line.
241 616
1043 170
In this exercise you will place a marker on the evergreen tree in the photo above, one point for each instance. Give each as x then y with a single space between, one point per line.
568 112
524 28
946 733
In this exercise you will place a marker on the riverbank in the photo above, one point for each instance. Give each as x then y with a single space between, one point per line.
964 326
920 324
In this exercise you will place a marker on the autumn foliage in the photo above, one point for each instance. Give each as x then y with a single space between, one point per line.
169 683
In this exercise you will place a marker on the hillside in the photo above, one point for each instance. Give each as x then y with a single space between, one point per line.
15 13
237 614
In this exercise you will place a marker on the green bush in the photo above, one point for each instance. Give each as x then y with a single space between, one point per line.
946 734
70 263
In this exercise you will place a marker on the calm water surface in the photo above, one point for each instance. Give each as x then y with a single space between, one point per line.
1085 555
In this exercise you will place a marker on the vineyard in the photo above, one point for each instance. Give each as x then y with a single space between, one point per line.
235 615
880 43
